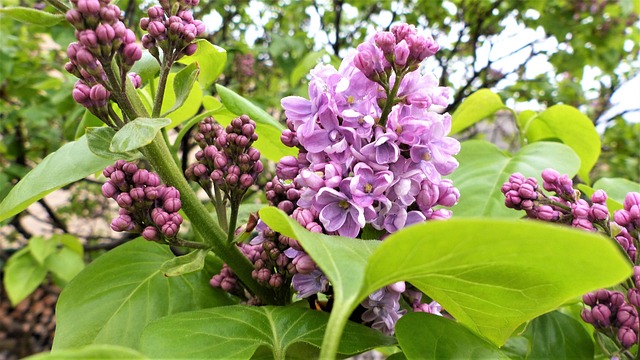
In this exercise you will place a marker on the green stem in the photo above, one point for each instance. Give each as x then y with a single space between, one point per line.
120 97
221 208
333 333
391 95
233 218
162 84
158 154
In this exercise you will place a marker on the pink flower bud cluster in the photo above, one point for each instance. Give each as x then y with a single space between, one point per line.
226 156
172 28
611 313
101 36
567 207
146 206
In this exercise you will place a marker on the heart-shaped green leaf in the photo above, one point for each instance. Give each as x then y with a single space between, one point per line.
99 140
484 168
22 275
490 274
118 294
136 134
237 332
71 162
427 336
558 336
41 248
573 128
477 106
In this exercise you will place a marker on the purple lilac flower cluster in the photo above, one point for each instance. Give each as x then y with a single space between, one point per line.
101 36
146 206
172 28
226 156
372 152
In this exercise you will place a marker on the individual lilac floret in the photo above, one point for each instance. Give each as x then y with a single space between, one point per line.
383 309
146 206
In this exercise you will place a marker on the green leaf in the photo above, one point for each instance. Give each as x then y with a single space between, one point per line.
236 332
308 62
40 248
617 188
71 162
147 67
428 336
31 16
69 241
267 128
88 120
558 336
190 105
572 128
484 168
211 60
118 294
183 83
493 281
98 351
477 106
99 140
490 281
65 264
185 264
524 118
22 275
136 134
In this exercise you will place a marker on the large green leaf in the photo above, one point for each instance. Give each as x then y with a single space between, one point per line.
71 162
183 83
236 332
558 336
210 58
22 275
427 336
573 128
31 16
96 351
136 134
267 128
117 295
477 106
484 168
490 274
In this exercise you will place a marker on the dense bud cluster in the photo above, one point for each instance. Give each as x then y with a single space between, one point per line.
101 36
610 312
172 28
146 206
226 156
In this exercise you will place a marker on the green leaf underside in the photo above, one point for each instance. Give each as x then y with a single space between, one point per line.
191 262
558 336
492 274
236 332
210 58
71 162
136 134
99 139
31 16
484 168
183 82
477 106
489 280
97 351
239 105
583 137
40 248
428 336
118 294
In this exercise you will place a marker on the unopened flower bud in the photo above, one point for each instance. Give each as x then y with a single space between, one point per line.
627 336
150 233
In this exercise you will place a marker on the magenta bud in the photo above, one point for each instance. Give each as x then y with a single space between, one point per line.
157 30
109 190
156 12
627 336
159 216
99 95
81 94
130 168
122 223
150 233
170 229
589 299
140 177
601 315
599 197
118 178
137 194
105 34
626 316
246 180
136 80
599 212
74 17
634 297
172 205
632 199
550 175
586 315
124 200
131 53
231 179
616 298
304 264
144 24
275 280
89 7
190 49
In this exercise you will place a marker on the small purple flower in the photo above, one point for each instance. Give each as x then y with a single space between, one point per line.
367 186
338 213
309 284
